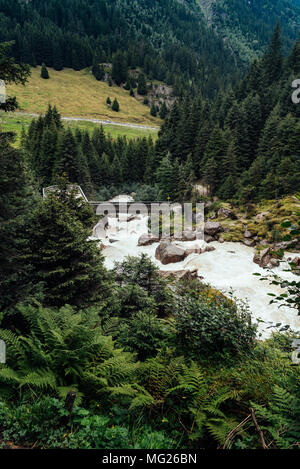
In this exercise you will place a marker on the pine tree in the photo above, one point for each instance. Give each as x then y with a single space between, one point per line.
167 180
228 188
58 63
99 140
17 201
44 72
163 111
142 85
119 68
69 266
98 71
210 174
273 60
115 105
67 158
47 155
214 153
153 110
92 159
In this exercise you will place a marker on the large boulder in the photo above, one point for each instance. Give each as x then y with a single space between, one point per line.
185 236
99 230
212 228
264 259
249 242
168 253
161 248
227 213
148 239
296 266
209 239
262 216
248 234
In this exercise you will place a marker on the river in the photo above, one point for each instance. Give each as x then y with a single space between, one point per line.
229 268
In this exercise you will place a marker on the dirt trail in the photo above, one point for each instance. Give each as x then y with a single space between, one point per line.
96 121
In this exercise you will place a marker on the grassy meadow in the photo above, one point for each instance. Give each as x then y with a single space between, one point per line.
79 94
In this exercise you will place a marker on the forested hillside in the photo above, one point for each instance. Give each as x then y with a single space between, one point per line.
246 25
168 39
247 142
243 146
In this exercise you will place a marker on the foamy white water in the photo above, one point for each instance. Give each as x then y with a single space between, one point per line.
229 267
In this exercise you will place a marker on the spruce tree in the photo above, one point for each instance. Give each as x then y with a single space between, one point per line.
115 105
153 110
210 174
68 264
273 60
67 157
167 180
17 201
142 85
98 71
44 72
92 158
163 111
119 68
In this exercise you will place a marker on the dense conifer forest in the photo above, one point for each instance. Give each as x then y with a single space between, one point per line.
168 39
132 356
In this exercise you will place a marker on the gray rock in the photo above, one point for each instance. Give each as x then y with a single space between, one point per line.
172 254
226 213
185 236
264 259
274 263
212 228
147 240
249 242
209 249
248 234
209 239
262 216
161 248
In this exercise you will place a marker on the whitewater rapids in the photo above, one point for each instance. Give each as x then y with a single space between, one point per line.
229 268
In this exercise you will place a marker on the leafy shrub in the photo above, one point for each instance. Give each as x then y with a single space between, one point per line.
46 424
213 328
143 333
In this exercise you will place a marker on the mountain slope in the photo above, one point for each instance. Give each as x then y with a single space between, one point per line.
198 44
246 25
170 39
78 94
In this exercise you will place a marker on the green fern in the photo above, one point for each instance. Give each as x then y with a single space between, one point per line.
280 421
64 350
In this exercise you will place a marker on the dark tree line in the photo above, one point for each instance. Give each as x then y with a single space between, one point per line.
92 160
